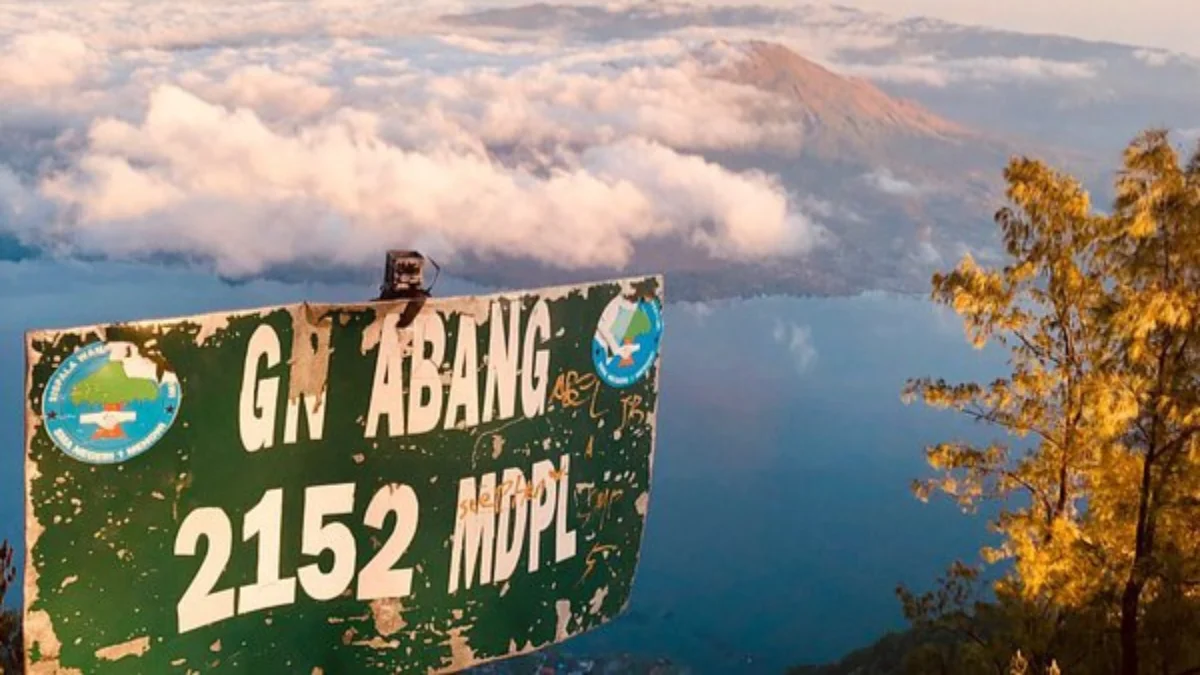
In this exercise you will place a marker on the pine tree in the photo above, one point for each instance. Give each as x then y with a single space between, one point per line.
1099 315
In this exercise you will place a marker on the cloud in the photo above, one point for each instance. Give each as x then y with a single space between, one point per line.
673 104
797 340
1189 135
818 41
198 179
46 60
927 254
1161 23
932 71
483 45
21 208
273 142
887 182
1154 57
256 135
823 209
269 92
698 312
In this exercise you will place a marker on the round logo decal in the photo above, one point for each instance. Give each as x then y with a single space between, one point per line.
626 341
107 403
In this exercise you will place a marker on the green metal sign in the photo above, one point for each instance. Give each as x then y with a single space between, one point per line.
380 487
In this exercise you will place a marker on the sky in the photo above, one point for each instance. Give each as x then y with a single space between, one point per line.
1165 24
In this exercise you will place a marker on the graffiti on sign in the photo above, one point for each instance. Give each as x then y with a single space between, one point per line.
327 488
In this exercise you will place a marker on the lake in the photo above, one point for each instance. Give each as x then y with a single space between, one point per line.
780 520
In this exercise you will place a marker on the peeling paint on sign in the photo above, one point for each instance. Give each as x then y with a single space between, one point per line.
596 604
135 647
387 613
209 326
310 352
371 487
461 654
562 609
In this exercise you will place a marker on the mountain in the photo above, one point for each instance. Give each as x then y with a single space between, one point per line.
903 149
920 188
1085 95
1089 96
898 188
888 137
893 654
841 113
906 126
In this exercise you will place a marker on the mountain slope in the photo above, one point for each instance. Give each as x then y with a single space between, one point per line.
902 129
899 190
849 120
844 105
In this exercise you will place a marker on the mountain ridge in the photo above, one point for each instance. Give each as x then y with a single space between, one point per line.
904 189
771 66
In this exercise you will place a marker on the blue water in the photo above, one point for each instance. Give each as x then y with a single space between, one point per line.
780 519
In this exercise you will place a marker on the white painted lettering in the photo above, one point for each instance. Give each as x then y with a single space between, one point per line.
541 510
387 391
535 374
501 383
314 415
425 388
464 381
429 393
259 398
564 539
474 534
510 500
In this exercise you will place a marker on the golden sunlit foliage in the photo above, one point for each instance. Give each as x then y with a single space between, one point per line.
1099 490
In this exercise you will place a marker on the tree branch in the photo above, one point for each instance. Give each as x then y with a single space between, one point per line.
979 414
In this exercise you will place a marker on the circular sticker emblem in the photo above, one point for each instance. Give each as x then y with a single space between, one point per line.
107 403
626 340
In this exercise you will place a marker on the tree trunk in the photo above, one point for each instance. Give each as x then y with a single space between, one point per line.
1130 600
1131 597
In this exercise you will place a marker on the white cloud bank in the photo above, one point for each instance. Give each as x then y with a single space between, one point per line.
45 60
197 178
932 71
1165 24
293 137
258 134
886 181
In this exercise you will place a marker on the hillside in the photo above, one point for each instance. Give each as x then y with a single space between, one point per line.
897 188
893 654
842 109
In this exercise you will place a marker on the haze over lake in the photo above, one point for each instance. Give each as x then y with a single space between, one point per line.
780 516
